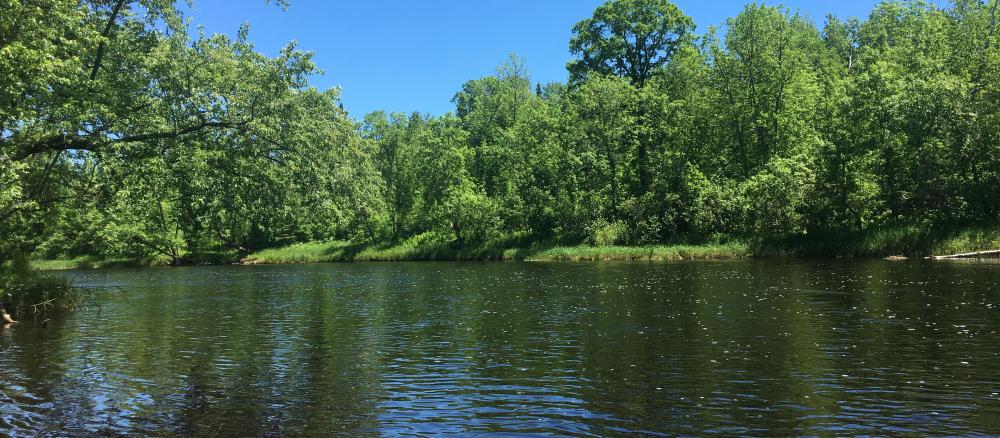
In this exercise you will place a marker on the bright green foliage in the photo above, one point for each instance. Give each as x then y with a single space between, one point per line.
768 86
629 38
604 129
925 107
122 136
777 198
488 107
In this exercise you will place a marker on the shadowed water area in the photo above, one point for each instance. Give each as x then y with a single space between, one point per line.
741 347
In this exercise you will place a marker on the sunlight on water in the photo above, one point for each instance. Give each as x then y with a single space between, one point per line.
743 347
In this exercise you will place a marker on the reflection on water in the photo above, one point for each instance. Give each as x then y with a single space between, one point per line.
748 347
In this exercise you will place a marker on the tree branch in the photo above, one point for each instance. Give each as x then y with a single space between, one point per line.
102 47
163 135
62 142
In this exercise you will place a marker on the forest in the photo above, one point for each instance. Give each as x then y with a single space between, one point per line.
125 135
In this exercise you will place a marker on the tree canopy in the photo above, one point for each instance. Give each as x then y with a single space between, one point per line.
629 38
124 135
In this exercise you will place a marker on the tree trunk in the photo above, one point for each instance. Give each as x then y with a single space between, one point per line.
456 226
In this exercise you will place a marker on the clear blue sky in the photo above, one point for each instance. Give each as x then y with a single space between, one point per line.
406 55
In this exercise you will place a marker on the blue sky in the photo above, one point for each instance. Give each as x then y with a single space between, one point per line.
406 55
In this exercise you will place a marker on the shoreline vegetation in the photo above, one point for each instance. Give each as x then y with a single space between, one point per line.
911 242
342 252
773 135
345 252
26 291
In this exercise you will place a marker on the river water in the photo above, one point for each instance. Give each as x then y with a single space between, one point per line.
762 347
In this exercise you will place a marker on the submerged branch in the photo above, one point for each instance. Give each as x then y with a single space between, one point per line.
969 255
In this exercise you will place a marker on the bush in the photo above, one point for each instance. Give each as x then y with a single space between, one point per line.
471 215
604 233
23 289
777 198
652 218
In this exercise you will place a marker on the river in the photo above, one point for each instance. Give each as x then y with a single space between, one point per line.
758 347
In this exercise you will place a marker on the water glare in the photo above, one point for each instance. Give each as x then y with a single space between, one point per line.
742 347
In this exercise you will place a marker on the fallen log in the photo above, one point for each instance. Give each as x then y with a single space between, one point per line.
969 255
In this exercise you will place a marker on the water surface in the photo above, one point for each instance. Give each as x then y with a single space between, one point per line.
741 347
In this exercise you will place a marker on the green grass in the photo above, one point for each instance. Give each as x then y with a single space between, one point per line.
93 262
648 253
968 240
27 291
58 265
912 240
337 251
909 240
88 262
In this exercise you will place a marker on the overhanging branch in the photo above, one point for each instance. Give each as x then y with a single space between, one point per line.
64 142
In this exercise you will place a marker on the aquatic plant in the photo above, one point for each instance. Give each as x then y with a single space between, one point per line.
28 291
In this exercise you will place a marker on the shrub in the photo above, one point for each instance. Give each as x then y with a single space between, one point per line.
604 233
777 197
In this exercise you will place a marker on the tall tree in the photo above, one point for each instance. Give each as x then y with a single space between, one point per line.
768 85
628 38
488 107
121 83
633 39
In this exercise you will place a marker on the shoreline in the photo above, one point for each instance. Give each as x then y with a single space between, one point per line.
893 243
342 252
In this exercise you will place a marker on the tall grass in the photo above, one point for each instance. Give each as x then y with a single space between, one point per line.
94 262
651 253
427 249
914 240
908 239
24 290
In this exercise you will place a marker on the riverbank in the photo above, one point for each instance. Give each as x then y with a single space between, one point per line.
24 290
910 241
88 262
339 251
344 252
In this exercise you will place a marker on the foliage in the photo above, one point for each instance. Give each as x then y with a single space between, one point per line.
629 38
23 290
777 198
425 247
124 136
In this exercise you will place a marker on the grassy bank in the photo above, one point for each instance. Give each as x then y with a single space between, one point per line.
88 262
911 240
649 253
25 291
93 262
345 252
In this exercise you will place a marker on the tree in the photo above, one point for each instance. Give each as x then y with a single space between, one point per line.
123 134
628 38
633 39
172 144
393 158
95 79
768 86
604 108
488 107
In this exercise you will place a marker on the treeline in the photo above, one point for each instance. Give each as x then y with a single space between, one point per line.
146 141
